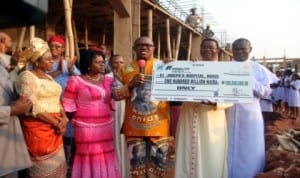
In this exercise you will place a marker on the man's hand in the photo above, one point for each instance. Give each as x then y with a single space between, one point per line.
71 62
137 80
194 60
167 60
21 106
208 102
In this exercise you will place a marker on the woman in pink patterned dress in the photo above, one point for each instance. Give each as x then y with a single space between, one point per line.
88 97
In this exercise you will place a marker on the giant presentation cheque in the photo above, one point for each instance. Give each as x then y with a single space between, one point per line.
198 81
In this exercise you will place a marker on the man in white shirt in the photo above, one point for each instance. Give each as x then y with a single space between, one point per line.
246 147
14 156
193 19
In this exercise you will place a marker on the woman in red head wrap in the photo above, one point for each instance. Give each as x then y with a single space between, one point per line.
61 71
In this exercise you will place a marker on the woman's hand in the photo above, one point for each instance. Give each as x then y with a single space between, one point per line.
61 125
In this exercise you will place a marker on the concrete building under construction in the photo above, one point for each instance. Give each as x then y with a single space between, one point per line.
116 23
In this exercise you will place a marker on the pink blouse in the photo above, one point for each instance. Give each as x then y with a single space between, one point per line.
90 102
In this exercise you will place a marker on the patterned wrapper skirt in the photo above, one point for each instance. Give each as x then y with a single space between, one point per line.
45 148
53 167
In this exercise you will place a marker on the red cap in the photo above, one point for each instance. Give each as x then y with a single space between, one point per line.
95 48
57 39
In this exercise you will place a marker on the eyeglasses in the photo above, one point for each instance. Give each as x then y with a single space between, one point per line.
55 46
140 45
208 48
118 62
48 58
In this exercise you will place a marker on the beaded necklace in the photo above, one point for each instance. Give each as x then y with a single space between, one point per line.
94 79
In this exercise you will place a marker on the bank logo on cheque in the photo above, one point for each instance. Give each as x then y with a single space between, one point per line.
168 67
161 67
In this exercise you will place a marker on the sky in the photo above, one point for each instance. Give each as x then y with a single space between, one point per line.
272 26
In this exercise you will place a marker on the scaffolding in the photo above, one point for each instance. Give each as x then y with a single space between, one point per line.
181 9
178 8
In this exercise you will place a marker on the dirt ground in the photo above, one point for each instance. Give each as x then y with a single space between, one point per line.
279 164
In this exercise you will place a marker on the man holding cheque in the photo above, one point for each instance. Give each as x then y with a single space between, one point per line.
201 139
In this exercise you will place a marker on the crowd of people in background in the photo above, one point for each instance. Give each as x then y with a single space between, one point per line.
94 117
285 96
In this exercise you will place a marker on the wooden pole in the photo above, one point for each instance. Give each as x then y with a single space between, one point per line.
31 32
178 40
77 53
71 42
21 39
67 46
103 36
158 45
136 19
86 35
173 46
68 21
150 23
190 46
168 40
123 35
221 56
